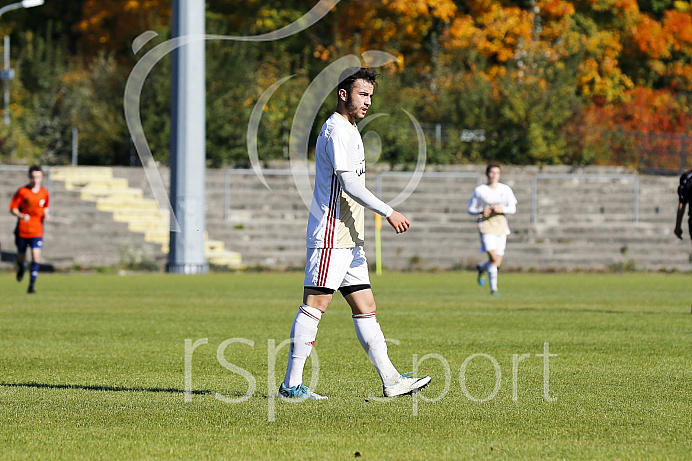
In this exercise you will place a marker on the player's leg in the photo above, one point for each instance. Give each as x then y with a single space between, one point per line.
303 335
21 245
324 270
358 294
496 252
36 246
494 261
482 268
489 245
369 332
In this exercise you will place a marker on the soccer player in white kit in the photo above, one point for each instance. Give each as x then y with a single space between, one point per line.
492 202
335 256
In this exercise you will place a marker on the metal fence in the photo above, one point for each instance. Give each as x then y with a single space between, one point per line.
382 177
432 174
230 173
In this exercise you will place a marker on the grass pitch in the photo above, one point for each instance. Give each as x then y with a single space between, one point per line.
575 366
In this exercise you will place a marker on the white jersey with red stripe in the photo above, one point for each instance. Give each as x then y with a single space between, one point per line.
336 220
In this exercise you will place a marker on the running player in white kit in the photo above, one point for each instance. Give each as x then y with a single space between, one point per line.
335 256
492 202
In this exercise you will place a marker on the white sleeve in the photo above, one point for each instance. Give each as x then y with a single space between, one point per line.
510 205
474 206
510 208
359 193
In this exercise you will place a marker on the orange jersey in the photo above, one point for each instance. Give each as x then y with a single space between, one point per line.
33 204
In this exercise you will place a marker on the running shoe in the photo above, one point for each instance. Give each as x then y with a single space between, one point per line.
301 391
481 275
406 385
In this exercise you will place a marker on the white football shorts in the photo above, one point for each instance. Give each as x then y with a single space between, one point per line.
489 242
336 267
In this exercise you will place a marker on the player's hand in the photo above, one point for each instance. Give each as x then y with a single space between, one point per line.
487 212
398 222
26 217
678 232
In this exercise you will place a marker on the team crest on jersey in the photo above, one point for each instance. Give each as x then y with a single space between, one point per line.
42 203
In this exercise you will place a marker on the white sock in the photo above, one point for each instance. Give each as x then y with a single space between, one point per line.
372 339
303 334
492 275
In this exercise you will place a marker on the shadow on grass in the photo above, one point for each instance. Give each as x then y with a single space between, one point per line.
8 257
170 390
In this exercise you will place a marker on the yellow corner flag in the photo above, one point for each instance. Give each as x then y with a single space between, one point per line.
378 244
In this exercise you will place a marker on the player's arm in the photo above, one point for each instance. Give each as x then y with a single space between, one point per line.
508 207
478 207
19 214
678 220
14 207
46 211
475 207
358 192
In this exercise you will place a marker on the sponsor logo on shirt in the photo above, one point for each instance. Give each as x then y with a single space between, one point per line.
360 169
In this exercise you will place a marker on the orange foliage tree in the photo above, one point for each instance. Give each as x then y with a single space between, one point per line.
113 25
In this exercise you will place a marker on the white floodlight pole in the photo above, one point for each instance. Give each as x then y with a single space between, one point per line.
188 136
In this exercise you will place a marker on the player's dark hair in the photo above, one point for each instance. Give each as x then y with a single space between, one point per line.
349 76
35 168
490 167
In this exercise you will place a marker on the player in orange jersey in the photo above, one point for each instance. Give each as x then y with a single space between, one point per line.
31 205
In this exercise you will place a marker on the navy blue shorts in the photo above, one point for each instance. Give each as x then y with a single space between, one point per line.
22 243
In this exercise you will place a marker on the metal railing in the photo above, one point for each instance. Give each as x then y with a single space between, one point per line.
430 174
381 177
534 188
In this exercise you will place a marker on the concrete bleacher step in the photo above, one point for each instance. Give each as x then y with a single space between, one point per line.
94 193
112 183
81 173
146 226
128 205
231 259
267 227
160 236
140 215
596 211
